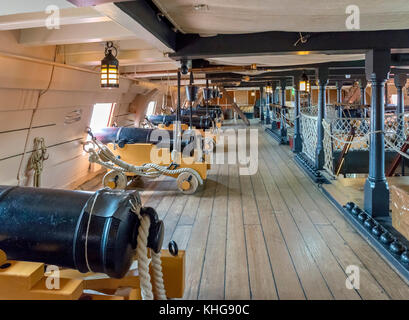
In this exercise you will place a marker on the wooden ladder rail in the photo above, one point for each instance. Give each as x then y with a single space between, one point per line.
235 107
345 151
397 159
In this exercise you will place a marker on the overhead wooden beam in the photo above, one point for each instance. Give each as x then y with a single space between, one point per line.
235 107
94 32
125 57
278 42
38 19
140 19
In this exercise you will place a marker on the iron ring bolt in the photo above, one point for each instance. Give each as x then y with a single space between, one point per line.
173 248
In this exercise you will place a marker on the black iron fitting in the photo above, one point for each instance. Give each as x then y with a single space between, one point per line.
156 229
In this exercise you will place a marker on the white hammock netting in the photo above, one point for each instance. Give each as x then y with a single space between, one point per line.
288 116
308 123
331 112
396 131
337 131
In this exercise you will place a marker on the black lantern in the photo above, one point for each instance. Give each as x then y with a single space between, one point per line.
110 67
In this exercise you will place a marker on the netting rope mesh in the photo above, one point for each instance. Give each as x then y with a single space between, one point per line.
337 131
330 111
397 132
289 117
286 116
309 123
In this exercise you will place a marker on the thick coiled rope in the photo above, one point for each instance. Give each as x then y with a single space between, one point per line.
143 262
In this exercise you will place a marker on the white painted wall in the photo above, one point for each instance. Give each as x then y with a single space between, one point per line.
70 90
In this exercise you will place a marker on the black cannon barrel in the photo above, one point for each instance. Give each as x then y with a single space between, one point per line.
210 107
75 229
201 112
200 122
123 135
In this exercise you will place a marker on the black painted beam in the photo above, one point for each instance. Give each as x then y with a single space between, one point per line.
334 74
193 46
143 13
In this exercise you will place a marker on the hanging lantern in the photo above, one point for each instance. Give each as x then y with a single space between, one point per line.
304 83
110 67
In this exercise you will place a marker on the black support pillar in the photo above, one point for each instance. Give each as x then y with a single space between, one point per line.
274 110
297 142
386 94
376 190
362 85
177 130
268 117
261 105
339 97
322 84
283 127
179 107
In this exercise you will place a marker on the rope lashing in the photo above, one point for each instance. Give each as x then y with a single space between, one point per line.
106 158
37 159
158 289
147 292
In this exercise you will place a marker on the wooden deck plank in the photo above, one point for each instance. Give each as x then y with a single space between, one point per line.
267 236
198 240
312 281
331 270
261 277
250 213
388 279
286 278
369 288
173 215
316 216
340 249
213 276
182 235
189 212
162 189
237 277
